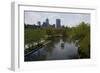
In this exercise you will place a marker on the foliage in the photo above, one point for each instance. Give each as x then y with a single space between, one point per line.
80 32
33 35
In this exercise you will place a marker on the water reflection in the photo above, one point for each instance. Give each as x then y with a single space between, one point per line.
57 49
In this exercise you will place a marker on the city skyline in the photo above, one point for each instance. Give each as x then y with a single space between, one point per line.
67 19
46 24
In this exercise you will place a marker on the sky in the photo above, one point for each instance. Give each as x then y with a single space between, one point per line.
67 19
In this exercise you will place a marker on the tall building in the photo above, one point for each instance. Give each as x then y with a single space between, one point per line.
47 22
58 23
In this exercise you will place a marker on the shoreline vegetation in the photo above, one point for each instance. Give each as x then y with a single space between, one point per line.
36 38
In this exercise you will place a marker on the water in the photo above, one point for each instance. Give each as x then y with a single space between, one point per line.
58 49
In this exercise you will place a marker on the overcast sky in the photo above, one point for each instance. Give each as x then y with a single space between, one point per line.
67 19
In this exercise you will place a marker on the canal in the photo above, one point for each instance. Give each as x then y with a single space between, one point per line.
58 49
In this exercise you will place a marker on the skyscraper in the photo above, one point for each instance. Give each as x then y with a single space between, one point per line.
58 23
47 22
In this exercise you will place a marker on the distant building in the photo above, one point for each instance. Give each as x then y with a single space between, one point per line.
44 24
58 23
47 22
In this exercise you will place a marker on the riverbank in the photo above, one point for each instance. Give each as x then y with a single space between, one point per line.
54 50
35 47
